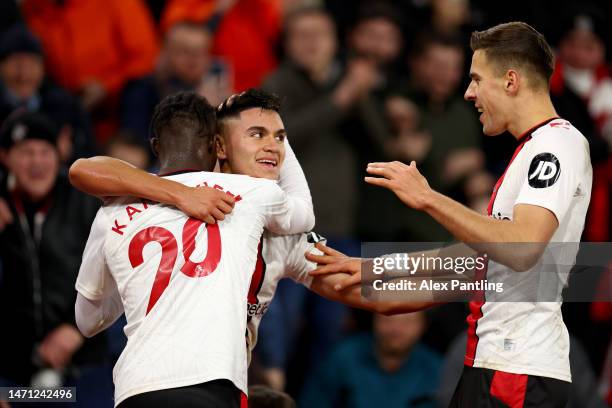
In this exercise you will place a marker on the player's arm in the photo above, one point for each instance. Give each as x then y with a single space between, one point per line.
299 268
98 303
324 285
293 182
530 224
338 277
107 177
95 316
284 215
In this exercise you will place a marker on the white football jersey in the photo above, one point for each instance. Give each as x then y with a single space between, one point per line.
551 168
279 256
182 282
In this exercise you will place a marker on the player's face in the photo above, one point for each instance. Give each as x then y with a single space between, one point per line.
254 144
486 90
35 164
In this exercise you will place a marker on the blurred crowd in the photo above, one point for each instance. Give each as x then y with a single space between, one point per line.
360 82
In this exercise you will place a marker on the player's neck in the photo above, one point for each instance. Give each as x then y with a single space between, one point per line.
225 167
173 164
530 112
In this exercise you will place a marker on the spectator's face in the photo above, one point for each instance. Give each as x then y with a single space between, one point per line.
378 40
311 41
450 14
440 69
486 90
135 155
22 73
402 113
35 164
187 53
582 49
397 334
253 144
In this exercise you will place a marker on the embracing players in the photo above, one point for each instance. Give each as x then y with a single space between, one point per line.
182 282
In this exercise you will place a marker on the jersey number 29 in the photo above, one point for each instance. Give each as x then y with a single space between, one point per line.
169 247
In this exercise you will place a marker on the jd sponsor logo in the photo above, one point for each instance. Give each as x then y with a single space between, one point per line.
544 170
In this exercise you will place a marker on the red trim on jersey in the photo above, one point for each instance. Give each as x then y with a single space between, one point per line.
472 320
525 139
509 388
258 275
244 401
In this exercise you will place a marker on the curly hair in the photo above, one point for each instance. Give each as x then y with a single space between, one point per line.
184 113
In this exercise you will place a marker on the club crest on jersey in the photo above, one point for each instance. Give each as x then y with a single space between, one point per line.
544 170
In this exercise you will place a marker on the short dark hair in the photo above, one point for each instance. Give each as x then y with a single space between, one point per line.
251 98
184 113
262 396
516 43
374 10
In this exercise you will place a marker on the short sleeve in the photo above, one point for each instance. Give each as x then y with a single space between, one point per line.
556 164
95 280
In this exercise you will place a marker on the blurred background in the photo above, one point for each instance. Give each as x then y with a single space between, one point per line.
360 81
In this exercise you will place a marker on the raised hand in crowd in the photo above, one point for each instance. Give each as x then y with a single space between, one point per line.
361 76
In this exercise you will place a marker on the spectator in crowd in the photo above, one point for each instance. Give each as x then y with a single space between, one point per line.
130 148
185 63
94 47
456 155
41 248
245 33
581 88
375 42
376 37
23 86
388 368
450 17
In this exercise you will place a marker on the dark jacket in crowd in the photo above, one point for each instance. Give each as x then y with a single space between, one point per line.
38 275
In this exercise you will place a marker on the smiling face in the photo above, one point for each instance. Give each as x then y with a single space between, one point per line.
487 92
252 144
35 164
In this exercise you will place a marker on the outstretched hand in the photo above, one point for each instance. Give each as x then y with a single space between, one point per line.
333 261
404 180
206 204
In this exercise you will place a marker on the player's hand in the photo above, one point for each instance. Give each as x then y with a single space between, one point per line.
333 261
6 217
405 181
59 346
205 203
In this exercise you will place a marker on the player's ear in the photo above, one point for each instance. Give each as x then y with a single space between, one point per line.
220 147
512 82
154 146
